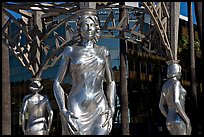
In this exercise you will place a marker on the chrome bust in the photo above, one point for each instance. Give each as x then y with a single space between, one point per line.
172 101
89 109
39 111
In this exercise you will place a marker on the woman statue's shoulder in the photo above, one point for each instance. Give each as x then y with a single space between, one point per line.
26 97
106 50
46 98
176 82
68 50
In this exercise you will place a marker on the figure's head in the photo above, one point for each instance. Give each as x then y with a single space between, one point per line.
173 69
35 85
88 25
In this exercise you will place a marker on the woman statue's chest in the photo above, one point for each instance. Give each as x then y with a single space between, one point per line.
83 56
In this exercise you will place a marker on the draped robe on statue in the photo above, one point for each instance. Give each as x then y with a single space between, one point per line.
87 98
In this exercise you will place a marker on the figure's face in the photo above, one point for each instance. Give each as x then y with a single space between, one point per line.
35 86
174 70
179 75
88 29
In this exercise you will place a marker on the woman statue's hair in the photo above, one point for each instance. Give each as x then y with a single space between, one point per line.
91 14
173 69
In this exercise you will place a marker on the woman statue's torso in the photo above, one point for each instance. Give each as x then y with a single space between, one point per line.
169 95
86 98
36 109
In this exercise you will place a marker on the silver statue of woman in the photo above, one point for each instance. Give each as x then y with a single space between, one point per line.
37 106
89 108
172 101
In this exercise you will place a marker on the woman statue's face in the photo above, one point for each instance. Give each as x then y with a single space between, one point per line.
88 29
35 86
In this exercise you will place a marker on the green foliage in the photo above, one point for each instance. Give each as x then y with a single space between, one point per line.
183 43
184 50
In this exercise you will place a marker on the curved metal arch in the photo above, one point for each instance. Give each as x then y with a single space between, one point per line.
159 16
130 33
50 8
159 24
157 12
61 23
35 41
134 33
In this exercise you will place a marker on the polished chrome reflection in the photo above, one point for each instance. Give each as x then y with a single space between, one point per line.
38 110
89 108
172 101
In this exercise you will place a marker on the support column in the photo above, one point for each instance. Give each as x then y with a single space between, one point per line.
5 92
86 5
174 27
37 19
123 76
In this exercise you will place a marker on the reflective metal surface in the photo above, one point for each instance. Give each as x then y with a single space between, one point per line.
36 106
89 108
172 102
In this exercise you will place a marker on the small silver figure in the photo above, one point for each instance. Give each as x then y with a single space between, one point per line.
89 109
39 111
172 101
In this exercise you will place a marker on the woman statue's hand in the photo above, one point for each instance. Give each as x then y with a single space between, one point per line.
108 119
24 131
68 116
188 129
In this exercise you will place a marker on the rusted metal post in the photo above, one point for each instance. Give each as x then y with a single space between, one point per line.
123 78
6 93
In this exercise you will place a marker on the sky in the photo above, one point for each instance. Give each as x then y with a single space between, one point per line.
183 11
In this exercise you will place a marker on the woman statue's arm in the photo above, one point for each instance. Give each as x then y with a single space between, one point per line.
162 104
50 117
23 111
111 87
110 91
58 90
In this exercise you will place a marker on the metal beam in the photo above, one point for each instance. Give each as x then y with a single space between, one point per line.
157 26
175 11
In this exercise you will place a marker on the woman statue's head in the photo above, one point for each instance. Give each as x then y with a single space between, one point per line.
173 69
88 25
35 85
